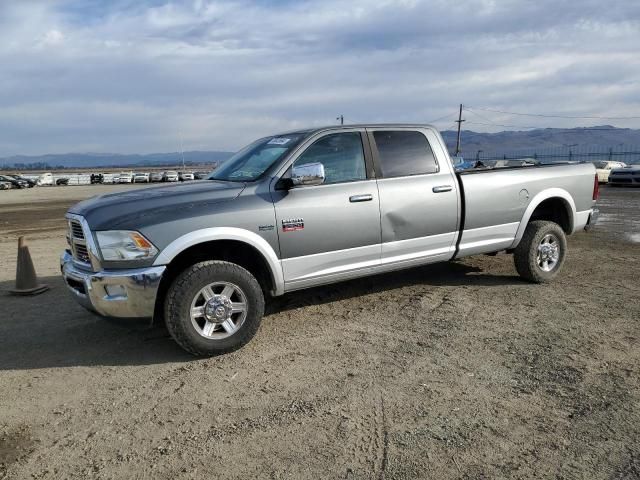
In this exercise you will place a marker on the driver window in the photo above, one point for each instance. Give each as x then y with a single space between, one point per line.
341 154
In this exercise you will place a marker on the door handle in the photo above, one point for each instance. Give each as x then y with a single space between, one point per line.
442 188
361 198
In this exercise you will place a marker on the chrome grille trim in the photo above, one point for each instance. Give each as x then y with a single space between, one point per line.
83 249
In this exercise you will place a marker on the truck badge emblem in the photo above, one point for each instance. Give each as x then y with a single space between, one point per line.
292 224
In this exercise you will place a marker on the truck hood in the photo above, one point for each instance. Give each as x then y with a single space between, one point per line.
131 210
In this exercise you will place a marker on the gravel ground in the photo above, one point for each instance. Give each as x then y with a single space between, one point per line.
459 370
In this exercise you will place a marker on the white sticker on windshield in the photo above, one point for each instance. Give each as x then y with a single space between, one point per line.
278 141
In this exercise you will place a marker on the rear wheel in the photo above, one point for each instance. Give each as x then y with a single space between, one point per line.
540 254
214 307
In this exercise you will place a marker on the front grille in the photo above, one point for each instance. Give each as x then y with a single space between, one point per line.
76 230
78 241
82 253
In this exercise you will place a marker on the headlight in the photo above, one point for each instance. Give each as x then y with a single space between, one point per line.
124 245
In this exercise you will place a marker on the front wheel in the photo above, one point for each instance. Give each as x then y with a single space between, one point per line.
214 307
540 254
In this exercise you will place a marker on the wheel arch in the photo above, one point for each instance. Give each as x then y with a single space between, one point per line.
234 244
554 204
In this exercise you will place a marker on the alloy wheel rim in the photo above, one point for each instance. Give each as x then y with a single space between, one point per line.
548 254
218 310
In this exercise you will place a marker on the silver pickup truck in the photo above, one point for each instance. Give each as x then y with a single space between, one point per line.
307 208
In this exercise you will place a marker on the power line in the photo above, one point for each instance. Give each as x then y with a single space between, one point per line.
450 127
441 118
501 125
551 115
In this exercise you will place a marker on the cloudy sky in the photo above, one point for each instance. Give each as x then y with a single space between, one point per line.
134 76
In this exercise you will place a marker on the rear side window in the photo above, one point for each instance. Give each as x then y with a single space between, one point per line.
403 153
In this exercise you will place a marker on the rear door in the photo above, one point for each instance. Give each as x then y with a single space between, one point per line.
419 197
331 231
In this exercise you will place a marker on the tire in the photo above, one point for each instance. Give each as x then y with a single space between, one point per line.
188 293
530 259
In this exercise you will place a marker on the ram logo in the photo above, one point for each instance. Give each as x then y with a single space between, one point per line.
292 224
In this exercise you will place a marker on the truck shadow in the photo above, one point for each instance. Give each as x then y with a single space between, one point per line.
440 274
51 330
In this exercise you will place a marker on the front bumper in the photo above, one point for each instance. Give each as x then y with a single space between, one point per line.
127 293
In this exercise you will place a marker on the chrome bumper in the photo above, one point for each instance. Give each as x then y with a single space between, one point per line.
127 293
593 219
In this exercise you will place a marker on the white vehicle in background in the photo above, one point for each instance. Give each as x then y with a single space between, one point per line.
171 176
156 176
45 179
186 176
125 177
603 169
626 176
141 177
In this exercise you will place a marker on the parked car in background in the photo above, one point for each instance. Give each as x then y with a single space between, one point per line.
45 179
30 183
125 177
200 175
5 185
140 177
156 176
519 162
97 178
170 176
603 169
629 176
186 176
13 182
62 182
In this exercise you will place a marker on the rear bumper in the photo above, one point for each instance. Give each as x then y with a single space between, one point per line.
127 293
593 219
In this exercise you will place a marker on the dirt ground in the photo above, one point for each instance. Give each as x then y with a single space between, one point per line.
459 370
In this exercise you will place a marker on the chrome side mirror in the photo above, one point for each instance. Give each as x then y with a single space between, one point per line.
309 174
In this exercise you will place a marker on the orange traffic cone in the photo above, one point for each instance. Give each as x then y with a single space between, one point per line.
26 280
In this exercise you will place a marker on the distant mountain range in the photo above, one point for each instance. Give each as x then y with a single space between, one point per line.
599 138
528 142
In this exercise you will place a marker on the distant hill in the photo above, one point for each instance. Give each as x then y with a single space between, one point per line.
545 139
525 143
94 160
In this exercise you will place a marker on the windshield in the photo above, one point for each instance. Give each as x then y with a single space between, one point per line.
601 164
253 160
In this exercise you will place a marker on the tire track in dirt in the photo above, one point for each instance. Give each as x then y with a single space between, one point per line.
366 437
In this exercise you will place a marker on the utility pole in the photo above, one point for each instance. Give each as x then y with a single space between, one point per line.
459 122
341 118
181 150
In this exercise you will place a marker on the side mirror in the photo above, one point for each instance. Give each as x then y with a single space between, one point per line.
309 174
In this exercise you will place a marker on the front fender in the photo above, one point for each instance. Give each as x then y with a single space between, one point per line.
226 233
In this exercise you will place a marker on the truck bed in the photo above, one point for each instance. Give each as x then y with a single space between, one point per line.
495 201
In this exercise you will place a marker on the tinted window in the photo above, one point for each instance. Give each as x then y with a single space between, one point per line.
404 153
341 154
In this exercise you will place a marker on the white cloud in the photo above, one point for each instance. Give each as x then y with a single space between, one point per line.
125 75
53 37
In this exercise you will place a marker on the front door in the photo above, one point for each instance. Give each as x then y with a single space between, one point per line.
330 231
